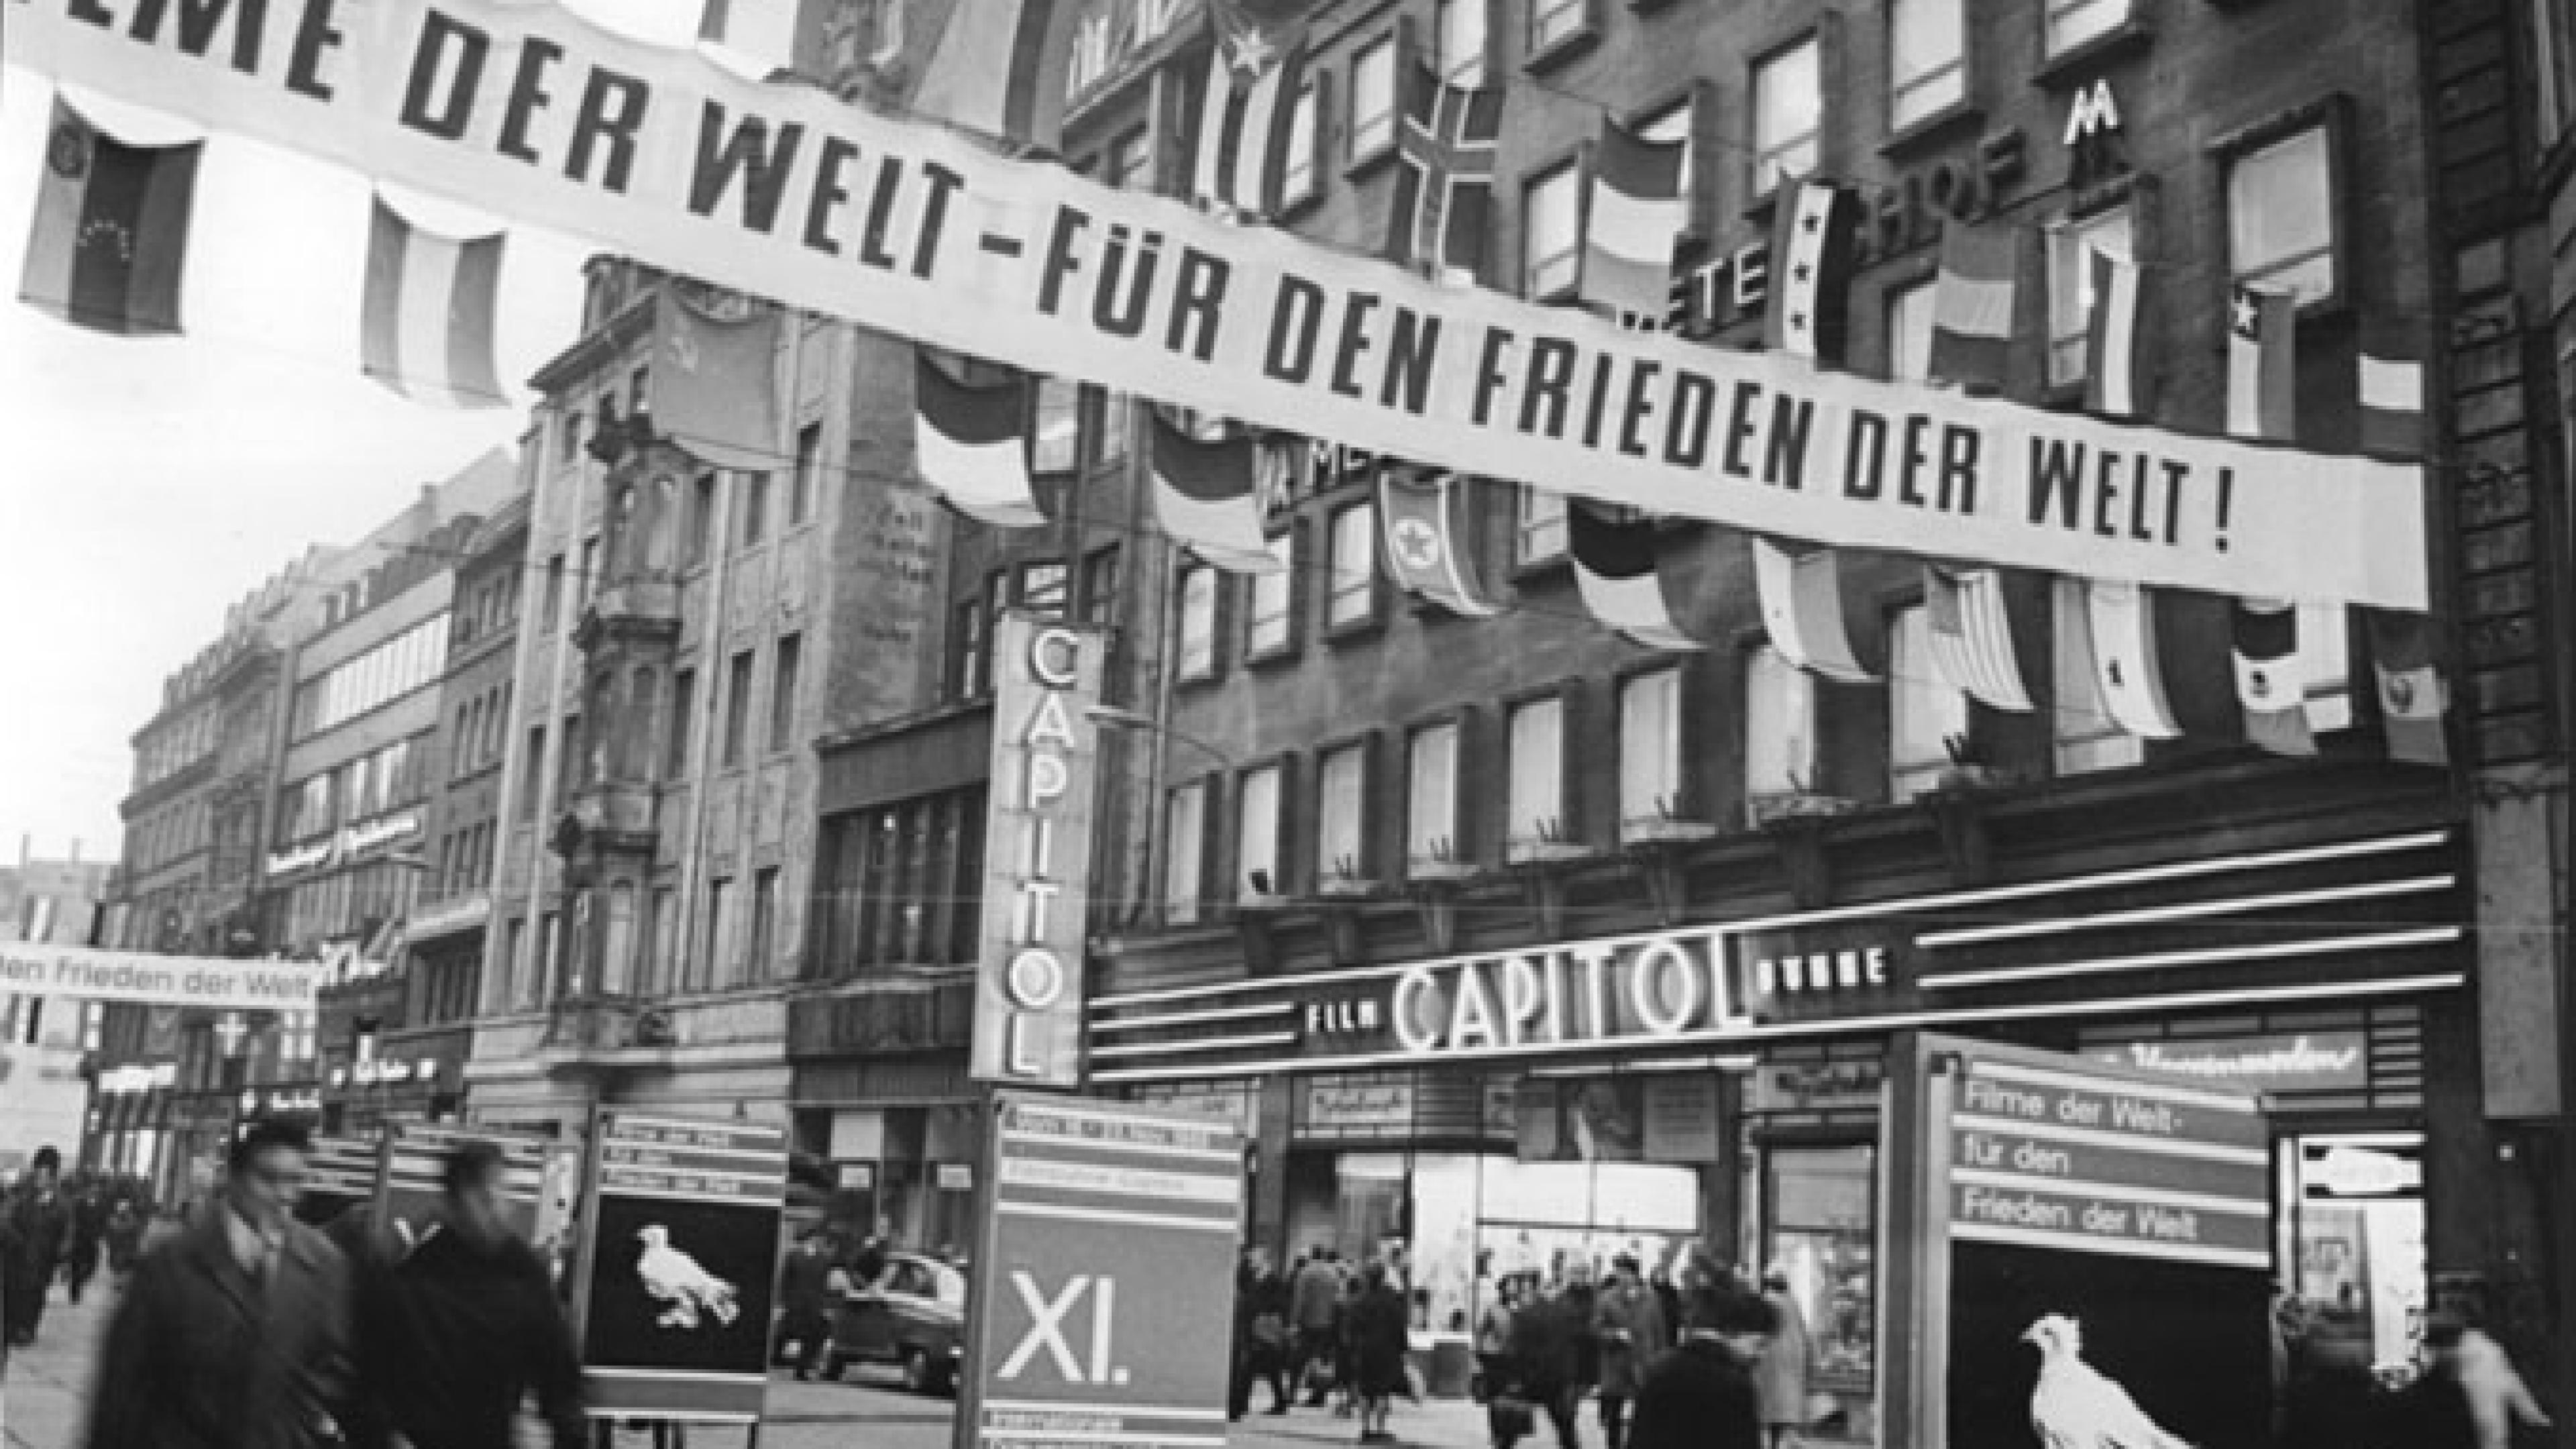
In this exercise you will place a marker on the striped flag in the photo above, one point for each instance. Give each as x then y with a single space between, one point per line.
715 382
998 68
109 248
1614 566
1812 271
1637 211
2392 402
2117 361
1254 67
1417 516
970 441
2120 620
1802 609
426 325
1971 635
2271 680
2262 365
1206 496
1444 194
2412 695
1972 305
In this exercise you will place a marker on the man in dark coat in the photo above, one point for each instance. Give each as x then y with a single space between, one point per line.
1700 1395
1546 1357
1260 1335
455 1333
33 1227
89 1225
234 1334
805 1303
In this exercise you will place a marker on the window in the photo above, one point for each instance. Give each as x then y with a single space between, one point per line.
1538 525
809 474
1198 622
1056 442
639 389
1184 835
782 692
737 707
1779 726
1551 233
1341 810
1650 747
568 434
589 580
675 740
1431 833
1554 22
1111 411
719 961
1674 123
764 922
755 507
1788 114
2086 737
1924 712
2070 286
554 591
1100 587
2281 216
2073 22
1537 780
966 668
532 774
2554 53
702 517
1909 333
1373 100
1353 565
569 754
1297 162
1256 846
1927 43
1042 588
1129 159
1273 594
1460 36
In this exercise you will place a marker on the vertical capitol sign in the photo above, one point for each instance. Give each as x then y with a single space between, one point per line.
1037 854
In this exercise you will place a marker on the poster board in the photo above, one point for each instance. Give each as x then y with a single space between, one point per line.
2059 1224
343 1175
678 1266
408 1194
1104 1279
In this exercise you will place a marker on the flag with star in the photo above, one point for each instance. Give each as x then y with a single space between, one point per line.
1444 194
1256 59
109 248
1417 512
2271 677
1811 278
2262 365
715 379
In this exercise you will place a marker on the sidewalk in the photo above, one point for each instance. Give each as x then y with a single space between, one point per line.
44 1391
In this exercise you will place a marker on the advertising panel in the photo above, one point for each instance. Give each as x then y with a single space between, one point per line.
679 1266
35 968
343 1172
417 1157
1104 1280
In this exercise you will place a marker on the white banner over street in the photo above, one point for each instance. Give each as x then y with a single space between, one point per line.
782 191
216 982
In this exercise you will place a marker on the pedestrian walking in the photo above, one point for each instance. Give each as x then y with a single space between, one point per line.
1260 1334
124 1239
456 1332
89 1225
1780 1377
1700 1395
1629 1325
1378 1343
236 1332
805 1304
1546 1368
34 1225
1494 1337
1314 1301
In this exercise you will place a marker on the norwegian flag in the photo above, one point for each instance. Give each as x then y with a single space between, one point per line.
1445 192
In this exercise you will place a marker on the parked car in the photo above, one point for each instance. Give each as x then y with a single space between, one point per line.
913 1316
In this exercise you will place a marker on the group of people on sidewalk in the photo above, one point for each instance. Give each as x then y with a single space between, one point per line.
1340 1335
52 1226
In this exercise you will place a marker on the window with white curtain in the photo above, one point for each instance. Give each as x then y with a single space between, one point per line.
1341 810
1354 565
2086 737
2281 216
1297 179
1779 726
1273 594
1373 98
1927 44
1536 745
1552 233
1184 837
1460 34
2070 23
1431 796
1924 711
1909 333
1788 114
1538 519
1197 623
1650 747
1256 840
2070 286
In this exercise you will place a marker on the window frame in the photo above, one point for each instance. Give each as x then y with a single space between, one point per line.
1908 778
1528 521
1763 184
1359 751
1301 167
1199 664
1370 611
2054 48
1454 830
2070 272
805 483
1274 860
1902 122
2331 117
1905 294
1256 650
1184 893
1555 30
787 658
2083 738
1372 135
1800 773
1516 847
1559 273
1450 61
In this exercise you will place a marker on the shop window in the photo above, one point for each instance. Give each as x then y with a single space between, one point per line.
1431 831
1373 98
2071 246
1927 43
1256 850
1552 233
1779 727
1271 629
1822 1226
1459 35
1056 438
2281 232
1909 333
1197 623
2071 23
1538 525
1650 748
1341 813
1788 114
2087 738
1184 834
1925 712
2352 1245
1537 779
1353 565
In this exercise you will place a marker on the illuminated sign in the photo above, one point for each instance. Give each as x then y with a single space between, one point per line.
1037 855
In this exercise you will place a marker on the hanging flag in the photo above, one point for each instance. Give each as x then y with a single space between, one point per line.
1802 609
2392 401
2271 684
1637 211
426 326
1415 511
1811 276
109 248
2262 365
971 443
2117 364
1255 64
1206 495
2120 618
998 68
715 382
1972 305
2412 695
1614 565
1971 633
1444 194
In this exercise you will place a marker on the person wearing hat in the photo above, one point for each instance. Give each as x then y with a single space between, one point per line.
1700 1395
32 1229
1780 1376
1629 1323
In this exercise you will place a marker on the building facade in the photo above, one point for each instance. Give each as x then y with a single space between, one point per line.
45 1044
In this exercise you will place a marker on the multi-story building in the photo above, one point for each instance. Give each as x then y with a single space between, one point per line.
44 1040
1395 843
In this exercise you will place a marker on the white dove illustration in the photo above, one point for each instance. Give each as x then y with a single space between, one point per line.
676 1280
2075 1407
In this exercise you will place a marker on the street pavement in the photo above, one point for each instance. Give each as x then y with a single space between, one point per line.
46 1390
